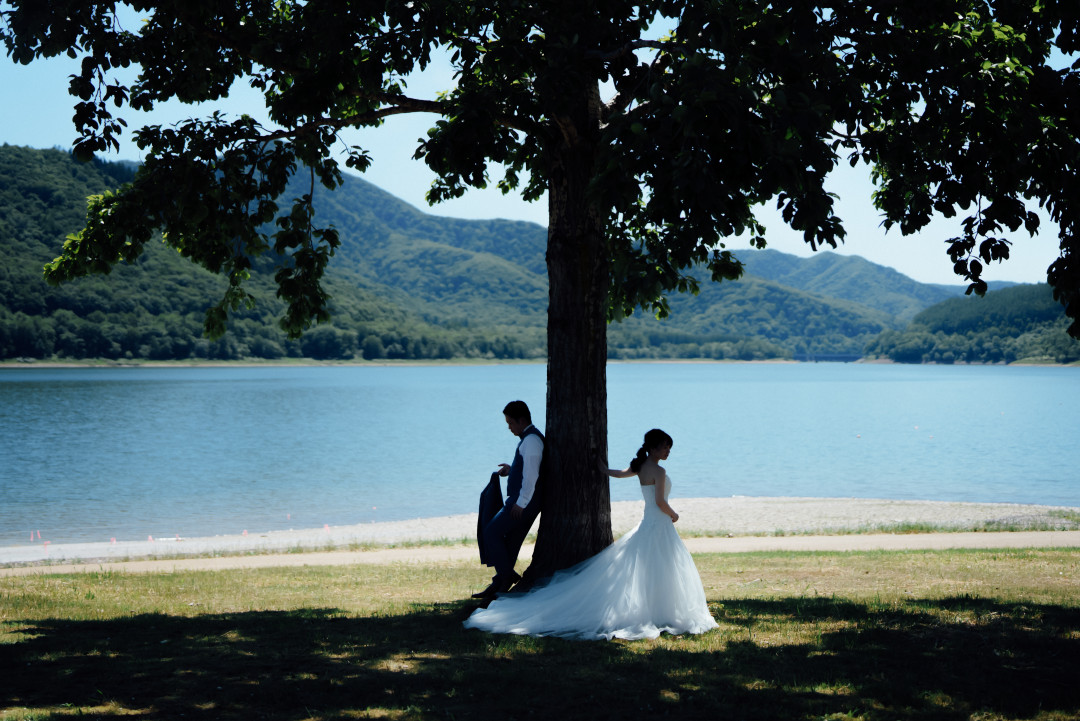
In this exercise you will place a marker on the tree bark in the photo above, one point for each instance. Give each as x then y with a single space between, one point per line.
575 521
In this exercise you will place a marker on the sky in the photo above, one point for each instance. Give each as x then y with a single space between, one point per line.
36 112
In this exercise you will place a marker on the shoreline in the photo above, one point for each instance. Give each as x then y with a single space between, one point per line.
701 519
405 363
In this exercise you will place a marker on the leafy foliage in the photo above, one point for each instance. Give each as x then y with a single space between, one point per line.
957 105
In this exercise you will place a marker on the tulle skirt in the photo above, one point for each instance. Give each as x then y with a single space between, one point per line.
640 586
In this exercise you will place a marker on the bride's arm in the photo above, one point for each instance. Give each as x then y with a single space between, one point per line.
625 473
662 503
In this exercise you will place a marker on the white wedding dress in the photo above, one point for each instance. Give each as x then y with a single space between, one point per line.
641 585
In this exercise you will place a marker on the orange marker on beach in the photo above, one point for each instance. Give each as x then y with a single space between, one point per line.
150 538
112 540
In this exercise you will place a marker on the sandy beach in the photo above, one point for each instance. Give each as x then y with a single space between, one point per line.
736 524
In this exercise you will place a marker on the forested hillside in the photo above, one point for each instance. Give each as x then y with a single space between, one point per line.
155 308
405 285
456 272
1022 322
853 279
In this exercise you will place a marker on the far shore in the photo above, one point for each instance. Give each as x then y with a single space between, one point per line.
700 518
359 363
404 363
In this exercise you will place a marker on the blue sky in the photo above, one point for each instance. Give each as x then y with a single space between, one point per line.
37 113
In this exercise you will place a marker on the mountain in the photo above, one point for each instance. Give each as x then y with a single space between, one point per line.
404 284
848 278
151 309
1021 322
449 270
854 279
444 269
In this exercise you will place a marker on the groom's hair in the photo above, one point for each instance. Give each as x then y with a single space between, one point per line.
517 410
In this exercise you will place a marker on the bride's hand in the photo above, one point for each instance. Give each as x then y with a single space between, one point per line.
674 516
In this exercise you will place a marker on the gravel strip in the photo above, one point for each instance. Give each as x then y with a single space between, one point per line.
715 517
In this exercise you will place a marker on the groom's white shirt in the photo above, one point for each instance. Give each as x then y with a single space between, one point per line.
532 451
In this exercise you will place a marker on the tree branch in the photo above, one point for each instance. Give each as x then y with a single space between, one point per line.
398 104
623 98
627 49
403 105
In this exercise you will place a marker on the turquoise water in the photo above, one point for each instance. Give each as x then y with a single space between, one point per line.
99 453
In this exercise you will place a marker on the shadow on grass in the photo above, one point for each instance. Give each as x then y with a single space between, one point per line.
956 658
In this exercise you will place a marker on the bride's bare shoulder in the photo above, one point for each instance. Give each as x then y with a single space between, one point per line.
649 474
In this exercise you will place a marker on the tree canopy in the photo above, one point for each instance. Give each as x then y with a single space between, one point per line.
957 105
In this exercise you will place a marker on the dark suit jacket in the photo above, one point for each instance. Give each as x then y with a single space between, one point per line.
491 502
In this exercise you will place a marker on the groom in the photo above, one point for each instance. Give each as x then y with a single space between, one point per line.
504 534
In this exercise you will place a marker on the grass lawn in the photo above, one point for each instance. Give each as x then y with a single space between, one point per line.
973 635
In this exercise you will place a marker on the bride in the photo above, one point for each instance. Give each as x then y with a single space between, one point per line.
641 585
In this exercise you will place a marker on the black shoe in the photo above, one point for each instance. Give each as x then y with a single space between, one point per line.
521 587
505 584
490 591
498 585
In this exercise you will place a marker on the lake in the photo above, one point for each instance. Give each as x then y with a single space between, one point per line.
89 454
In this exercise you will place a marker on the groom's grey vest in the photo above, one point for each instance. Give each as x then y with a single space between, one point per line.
517 470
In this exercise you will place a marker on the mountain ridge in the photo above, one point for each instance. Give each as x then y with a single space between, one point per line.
406 284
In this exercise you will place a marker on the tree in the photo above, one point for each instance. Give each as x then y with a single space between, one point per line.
954 103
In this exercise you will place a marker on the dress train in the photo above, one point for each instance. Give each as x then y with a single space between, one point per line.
642 585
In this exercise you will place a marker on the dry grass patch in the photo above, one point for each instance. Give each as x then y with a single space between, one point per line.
855 636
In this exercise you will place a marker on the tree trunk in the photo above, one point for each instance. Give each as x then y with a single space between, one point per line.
575 521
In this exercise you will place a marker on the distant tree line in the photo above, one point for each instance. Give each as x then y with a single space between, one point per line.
1022 322
656 342
1007 325
397 294
1003 327
172 336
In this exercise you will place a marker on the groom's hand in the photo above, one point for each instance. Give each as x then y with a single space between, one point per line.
516 511
504 470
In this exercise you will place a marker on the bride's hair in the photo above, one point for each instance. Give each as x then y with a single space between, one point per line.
653 439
